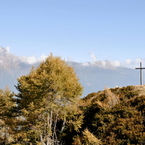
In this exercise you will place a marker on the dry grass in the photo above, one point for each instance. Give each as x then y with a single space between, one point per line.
140 89
112 99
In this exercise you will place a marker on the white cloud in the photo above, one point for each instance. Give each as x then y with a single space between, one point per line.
107 64
7 49
128 61
92 55
33 59
138 60
104 63
85 64
43 57
29 60
116 63
133 63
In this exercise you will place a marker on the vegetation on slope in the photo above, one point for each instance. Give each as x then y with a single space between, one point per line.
115 116
47 110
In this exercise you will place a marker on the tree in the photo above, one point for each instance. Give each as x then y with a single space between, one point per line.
47 101
87 138
7 120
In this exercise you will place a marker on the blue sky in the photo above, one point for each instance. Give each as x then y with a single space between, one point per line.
78 30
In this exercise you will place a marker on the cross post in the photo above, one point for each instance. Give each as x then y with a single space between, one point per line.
141 68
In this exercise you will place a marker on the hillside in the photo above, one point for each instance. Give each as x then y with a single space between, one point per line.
113 116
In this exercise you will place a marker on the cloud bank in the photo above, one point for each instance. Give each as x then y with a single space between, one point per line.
6 56
129 63
33 59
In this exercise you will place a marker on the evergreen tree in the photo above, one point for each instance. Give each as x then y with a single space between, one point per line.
7 120
47 101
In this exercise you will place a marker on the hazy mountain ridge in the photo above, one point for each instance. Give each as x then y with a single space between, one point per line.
11 67
94 76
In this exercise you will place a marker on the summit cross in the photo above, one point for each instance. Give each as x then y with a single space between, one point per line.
141 68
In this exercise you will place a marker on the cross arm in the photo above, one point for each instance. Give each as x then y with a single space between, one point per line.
140 68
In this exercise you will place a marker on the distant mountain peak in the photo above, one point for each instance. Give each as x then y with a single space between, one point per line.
7 60
2 50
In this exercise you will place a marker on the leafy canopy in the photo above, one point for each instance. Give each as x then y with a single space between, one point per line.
47 99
